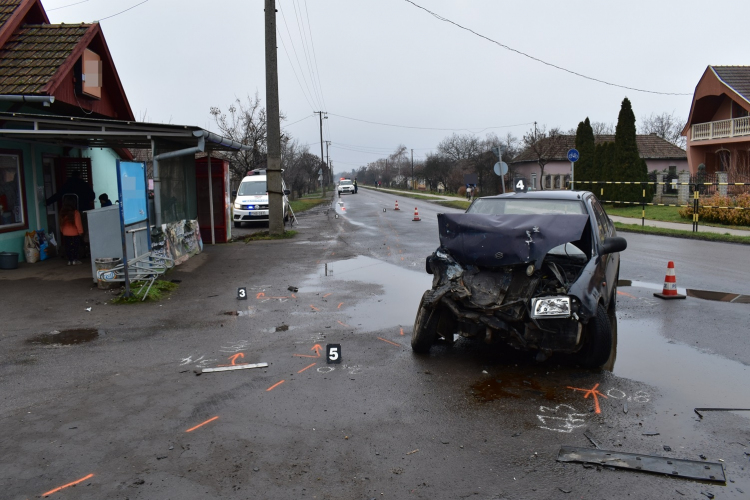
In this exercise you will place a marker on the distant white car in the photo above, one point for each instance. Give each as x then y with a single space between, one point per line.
346 186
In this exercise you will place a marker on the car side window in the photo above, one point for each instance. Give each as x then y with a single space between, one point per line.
602 221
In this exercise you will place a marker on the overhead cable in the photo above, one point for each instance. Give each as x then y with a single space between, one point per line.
429 128
123 11
441 18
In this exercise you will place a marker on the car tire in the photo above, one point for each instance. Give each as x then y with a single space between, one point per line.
237 224
425 328
598 343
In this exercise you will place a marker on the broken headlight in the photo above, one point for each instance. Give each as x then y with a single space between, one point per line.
550 307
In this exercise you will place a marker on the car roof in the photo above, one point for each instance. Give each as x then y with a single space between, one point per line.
545 195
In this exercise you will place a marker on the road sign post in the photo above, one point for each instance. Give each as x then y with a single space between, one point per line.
573 157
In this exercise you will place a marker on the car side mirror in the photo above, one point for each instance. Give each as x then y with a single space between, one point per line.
287 192
614 244
234 194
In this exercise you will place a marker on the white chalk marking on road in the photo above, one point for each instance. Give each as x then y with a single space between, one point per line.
234 367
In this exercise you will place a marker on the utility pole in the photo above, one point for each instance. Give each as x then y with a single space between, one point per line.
273 127
323 181
413 185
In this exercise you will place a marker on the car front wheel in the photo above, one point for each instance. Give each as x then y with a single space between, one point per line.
425 327
598 342
237 224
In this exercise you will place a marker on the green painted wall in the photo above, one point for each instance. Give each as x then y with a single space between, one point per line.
103 171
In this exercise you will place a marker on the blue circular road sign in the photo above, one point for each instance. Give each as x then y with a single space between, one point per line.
573 155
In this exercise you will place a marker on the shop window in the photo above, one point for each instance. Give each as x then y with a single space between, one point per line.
12 206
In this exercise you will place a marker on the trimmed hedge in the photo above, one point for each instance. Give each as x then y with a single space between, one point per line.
722 215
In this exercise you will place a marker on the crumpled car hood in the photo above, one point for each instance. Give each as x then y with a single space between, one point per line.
505 240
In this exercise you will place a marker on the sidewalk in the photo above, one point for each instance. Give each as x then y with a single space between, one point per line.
623 220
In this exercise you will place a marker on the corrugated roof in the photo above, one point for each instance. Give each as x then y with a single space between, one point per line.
650 147
736 77
6 9
33 54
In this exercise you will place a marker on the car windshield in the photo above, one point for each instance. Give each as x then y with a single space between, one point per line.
252 188
345 183
525 206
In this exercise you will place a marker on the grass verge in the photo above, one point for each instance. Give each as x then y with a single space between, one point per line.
665 214
265 235
677 233
158 291
302 204
460 204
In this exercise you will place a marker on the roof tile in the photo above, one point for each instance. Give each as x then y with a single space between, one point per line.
650 147
737 77
33 54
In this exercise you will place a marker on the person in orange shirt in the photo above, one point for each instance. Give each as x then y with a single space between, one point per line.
72 230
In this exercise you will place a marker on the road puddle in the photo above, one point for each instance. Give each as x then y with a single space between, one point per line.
66 337
394 302
734 298
514 385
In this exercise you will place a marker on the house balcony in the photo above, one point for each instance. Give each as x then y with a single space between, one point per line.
722 129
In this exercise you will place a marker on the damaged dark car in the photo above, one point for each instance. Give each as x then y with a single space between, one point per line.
535 270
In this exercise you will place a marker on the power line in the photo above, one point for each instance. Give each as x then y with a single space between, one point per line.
441 18
300 120
294 49
294 70
315 57
303 39
123 11
64 6
429 128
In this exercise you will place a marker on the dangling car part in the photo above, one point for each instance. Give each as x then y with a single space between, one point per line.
537 271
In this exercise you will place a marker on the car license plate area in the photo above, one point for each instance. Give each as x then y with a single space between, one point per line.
258 213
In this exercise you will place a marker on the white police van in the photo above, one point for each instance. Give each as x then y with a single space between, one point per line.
251 201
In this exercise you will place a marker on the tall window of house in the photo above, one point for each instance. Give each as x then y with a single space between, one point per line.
12 215
723 159
533 182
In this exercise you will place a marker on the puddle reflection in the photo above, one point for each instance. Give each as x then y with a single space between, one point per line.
66 337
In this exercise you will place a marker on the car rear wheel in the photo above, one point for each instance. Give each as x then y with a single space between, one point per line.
598 343
425 327
237 224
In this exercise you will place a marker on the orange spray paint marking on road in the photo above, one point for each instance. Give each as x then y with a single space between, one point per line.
202 424
316 348
343 324
260 295
384 340
274 386
327 295
626 294
308 366
402 331
294 296
591 392
340 304
234 357
402 258
314 308
66 485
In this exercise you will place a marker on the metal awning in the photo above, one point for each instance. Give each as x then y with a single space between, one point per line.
70 131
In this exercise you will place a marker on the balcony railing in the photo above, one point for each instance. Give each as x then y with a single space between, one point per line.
722 129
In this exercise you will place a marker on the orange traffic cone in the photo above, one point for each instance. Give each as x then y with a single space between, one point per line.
397 206
416 215
670 285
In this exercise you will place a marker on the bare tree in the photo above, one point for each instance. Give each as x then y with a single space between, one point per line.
543 145
665 125
244 122
601 128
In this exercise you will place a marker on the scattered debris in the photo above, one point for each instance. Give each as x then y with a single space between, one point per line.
703 457
593 441
234 367
650 433
88 309
688 469
625 408
706 493
564 490
698 410
667 448
444 441
293 289
413 451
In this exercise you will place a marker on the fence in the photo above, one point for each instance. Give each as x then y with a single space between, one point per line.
693 187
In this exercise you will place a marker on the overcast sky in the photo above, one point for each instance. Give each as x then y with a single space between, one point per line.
388 61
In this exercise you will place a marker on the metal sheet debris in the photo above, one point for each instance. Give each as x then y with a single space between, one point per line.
698 410
686 469
234 367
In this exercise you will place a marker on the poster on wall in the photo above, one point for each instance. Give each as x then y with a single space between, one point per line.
131 181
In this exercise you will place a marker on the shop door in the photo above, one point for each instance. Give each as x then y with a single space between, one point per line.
64 167
219 187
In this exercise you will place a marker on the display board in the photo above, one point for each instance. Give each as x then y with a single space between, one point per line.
131 182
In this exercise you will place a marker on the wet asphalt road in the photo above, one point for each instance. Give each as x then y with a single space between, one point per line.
464 422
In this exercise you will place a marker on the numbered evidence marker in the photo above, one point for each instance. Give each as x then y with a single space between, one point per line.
333 353
242 293
521 185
